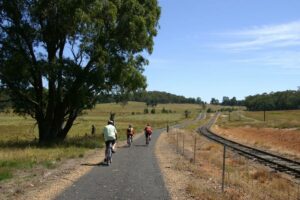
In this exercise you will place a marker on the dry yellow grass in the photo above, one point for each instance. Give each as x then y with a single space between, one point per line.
19 147
244 179
274 119
280 141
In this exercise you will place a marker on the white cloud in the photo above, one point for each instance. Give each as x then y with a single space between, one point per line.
284 59
261 37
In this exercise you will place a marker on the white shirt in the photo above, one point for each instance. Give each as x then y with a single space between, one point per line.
109 132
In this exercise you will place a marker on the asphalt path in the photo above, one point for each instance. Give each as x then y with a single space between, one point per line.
133 174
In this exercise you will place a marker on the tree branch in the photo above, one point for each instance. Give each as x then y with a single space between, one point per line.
16 90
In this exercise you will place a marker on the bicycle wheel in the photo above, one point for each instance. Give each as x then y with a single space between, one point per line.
129 140
109 154
147 139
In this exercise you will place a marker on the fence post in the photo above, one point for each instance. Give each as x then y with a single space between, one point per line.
167 127
195 148
298 192
223 173
183 144
177 141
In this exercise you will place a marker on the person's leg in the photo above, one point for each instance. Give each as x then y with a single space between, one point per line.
106 149
113 146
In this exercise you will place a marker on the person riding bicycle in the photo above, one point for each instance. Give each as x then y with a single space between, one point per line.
110 135
129 132
148 131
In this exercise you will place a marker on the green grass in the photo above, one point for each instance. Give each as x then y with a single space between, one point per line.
5 174
19 148
274 119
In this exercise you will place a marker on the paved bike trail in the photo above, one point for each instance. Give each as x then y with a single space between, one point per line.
133 174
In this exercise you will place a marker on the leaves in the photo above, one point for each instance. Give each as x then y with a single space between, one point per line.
57 56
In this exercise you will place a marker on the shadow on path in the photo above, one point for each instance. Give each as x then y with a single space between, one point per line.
95 164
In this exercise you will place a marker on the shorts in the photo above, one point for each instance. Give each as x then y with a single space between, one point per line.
147 134
129 135
109 141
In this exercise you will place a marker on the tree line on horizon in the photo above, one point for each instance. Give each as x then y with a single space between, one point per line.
151 98
286 100
282 100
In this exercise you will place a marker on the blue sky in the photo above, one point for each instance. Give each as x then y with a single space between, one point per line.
216 48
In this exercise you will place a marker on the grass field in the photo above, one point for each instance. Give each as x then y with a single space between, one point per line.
273 119
19 149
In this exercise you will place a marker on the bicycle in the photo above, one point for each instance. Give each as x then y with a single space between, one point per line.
108 155
148 138
129 140
148 132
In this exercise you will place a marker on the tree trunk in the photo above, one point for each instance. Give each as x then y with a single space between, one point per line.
55 130
46 135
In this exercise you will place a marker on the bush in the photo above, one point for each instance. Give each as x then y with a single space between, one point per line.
146 111
153 111
209 110
227 109
187 113
164 110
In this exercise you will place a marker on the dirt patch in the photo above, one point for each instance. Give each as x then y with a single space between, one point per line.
176 183
282 141
184 179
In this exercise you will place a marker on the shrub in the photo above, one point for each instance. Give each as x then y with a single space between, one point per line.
152 111
164 110
187 113
209 110
146 111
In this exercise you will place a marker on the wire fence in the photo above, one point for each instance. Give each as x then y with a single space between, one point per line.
247 178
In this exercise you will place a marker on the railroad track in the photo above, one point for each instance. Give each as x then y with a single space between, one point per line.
276 162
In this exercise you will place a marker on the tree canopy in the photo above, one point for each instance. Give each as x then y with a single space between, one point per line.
153 98
58 56
285 100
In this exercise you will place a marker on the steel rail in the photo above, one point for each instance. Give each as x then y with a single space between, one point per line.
276 162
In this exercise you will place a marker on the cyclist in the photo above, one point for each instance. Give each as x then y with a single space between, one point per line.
148 131
110 135
114 145
130 133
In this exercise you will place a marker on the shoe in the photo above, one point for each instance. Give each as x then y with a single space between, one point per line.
113 151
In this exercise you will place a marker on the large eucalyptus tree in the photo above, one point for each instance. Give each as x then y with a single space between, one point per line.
57 56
